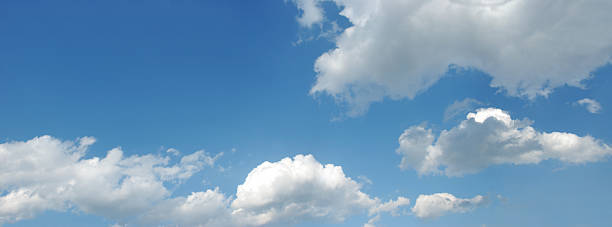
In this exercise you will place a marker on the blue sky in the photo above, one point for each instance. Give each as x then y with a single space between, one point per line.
239 78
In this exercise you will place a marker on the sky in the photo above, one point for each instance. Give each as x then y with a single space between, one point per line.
305 113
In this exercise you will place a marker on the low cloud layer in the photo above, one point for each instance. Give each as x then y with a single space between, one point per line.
45 173
491 137
397 49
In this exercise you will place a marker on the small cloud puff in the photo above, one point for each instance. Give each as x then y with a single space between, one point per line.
591 105
436 205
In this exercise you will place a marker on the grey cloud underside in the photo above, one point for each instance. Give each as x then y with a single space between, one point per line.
491 137
397 49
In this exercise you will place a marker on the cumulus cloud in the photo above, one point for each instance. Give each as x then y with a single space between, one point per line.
285 192
299 188
591 105
45 173
397 49
439 204
491 137
208 208
303 189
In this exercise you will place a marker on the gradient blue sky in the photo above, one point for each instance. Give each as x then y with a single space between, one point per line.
221 75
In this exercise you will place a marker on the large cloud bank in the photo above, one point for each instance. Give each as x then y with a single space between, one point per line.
491 137
46 173
398 48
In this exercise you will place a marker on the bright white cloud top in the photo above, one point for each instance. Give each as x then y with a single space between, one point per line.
299 188
397 49
491 137
45 173
439 204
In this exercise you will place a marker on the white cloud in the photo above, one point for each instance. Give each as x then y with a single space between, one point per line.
188 165
45 173
439 204
372 221
390 206
397 49
208 208
173 151
591 105
491 137
301 188
23 204
310 12
289 191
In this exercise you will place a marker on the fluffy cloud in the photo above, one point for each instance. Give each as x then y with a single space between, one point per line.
208 208
436 205
45 173
491 137
285 192
591 105
297 189
398 49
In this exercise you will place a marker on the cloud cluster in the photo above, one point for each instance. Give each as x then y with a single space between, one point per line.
45 173
397 49
289 191
439 204
207 208
491 137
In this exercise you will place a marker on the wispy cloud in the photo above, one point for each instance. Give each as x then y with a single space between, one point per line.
591 105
